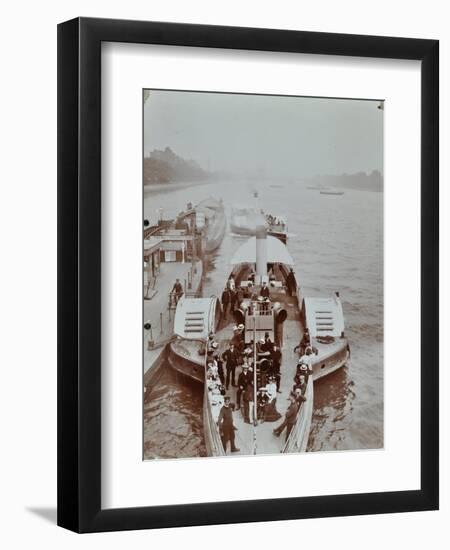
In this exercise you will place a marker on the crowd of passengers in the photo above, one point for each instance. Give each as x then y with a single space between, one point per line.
275 220
234 295
235 367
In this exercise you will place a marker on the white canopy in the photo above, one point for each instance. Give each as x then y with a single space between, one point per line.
277 253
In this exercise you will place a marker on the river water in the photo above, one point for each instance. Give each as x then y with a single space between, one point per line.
337 244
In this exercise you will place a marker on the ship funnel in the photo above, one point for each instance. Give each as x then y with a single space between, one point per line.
261 252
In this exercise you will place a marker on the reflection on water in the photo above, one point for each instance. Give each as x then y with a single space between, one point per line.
337 244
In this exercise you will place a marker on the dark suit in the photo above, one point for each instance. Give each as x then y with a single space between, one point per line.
232 361
232 299
220 371
276 366
291 283
226 427
264 292
244 379
248 401
225 301
238 342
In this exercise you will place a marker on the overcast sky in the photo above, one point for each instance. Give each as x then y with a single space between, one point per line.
274 135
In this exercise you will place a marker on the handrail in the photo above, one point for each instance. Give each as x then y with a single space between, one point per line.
298 438
213 440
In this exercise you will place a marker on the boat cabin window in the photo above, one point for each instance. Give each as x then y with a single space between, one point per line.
170 256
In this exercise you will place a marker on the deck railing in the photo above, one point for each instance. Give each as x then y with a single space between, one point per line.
298 438
213 440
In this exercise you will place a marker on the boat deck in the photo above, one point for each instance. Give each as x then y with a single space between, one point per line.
266 441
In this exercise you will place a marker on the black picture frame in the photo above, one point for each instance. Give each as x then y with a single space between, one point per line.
79 274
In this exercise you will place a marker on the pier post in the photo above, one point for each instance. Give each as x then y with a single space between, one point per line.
161 322
148 327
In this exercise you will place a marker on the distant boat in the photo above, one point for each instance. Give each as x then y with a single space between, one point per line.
330 192
244 221
215 222
210 221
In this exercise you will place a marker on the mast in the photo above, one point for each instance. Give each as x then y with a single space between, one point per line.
261 253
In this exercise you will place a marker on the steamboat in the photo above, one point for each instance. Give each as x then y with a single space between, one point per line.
245 221
271 307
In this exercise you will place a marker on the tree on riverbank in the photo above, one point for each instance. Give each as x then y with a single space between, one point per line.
164 166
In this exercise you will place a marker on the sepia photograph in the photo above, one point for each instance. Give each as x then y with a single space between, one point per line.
262 274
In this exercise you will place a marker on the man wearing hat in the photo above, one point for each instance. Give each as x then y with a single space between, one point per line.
291 283
261 348
268 344
248 397
307 359
304 343
302 373
210 341
244 379
231 356
238 337
289 419
264 292
212 348
276 357
299 396
300 383
226 426
177 290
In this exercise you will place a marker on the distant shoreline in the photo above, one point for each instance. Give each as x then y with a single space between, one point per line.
173 185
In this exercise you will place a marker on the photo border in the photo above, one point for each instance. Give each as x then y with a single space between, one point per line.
79 274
